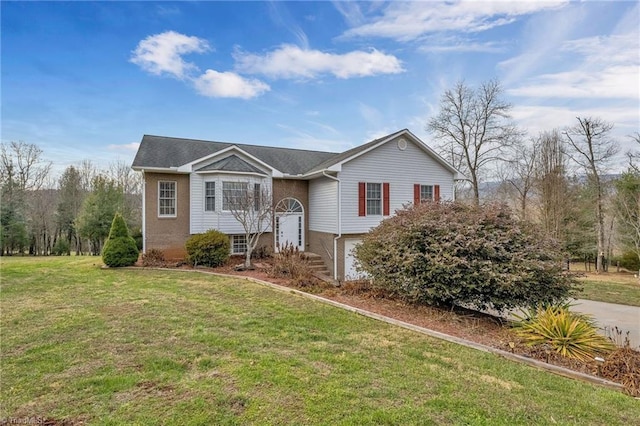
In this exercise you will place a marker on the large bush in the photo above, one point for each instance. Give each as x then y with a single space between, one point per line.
455 254
209 249
119 249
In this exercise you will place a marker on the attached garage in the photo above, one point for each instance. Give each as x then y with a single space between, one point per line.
350 261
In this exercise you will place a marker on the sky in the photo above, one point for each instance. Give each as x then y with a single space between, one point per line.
86 80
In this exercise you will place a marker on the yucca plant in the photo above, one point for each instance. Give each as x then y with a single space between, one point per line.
570 334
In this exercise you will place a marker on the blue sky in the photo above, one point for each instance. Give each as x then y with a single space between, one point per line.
85 80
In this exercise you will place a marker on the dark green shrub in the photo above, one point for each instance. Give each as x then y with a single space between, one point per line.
629 260
119 249
61 248
137 236
209 249
456 254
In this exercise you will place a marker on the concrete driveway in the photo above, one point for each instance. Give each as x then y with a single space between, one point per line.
611 315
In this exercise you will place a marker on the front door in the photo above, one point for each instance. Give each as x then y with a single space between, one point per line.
290 230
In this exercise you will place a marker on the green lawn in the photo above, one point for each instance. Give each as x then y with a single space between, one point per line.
611 289
153 347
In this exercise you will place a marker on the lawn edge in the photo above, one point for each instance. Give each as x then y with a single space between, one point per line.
561 371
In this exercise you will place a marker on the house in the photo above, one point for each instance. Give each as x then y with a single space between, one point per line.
325 201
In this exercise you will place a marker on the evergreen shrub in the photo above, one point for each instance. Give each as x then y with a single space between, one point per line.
211 248
119 249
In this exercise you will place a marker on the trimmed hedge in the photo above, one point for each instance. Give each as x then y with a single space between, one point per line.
119 249
209 249
455 254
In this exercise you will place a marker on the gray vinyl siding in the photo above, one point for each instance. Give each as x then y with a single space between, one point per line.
223 221
401 169
323 205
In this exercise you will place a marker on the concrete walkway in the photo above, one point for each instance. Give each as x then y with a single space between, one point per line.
610 315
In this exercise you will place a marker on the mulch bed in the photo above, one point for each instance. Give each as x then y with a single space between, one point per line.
622 366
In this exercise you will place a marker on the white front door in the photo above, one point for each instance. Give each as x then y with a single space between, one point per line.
290 230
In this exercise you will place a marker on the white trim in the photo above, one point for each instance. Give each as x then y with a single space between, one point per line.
277 217
337 237
175 194
188 167
144 213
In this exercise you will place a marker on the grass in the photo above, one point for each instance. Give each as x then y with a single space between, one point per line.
611 288
157 347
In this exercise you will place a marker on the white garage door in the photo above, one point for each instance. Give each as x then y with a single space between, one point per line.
350 272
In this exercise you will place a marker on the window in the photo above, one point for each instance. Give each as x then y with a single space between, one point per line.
238 244
374 199
234 195
209 196
423 193
167 198
426 193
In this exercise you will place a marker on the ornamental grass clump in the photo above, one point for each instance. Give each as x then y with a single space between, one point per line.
120 249
570 334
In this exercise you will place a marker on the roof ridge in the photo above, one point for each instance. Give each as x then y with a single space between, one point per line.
241 144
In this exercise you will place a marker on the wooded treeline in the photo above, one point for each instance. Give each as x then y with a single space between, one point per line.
43 215
560 179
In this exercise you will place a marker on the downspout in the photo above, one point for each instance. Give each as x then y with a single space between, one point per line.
144 213
335 240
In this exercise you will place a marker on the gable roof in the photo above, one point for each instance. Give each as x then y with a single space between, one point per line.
232 163
159 152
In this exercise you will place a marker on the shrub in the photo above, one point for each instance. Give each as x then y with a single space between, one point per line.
209 249
289 262
629 260
455 254
61 248
570 334
119 249
154 258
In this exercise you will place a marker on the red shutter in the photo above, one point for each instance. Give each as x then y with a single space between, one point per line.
416 194
436 193
362 199
385 199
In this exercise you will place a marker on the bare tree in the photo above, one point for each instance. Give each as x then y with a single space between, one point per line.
130 183
474 129
519 173
627 208
634 156
551 182
23 172
22 163
592 150
251 204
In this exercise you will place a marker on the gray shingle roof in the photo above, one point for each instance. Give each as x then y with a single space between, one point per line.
166 152
232 163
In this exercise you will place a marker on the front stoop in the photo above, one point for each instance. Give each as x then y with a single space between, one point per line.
316 264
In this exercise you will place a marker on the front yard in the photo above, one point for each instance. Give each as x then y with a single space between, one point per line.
177 347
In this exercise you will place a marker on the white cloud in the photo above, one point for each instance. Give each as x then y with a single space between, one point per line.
605 67
228 85
290 61
162 53
462 45
127 147
538 118
404 21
